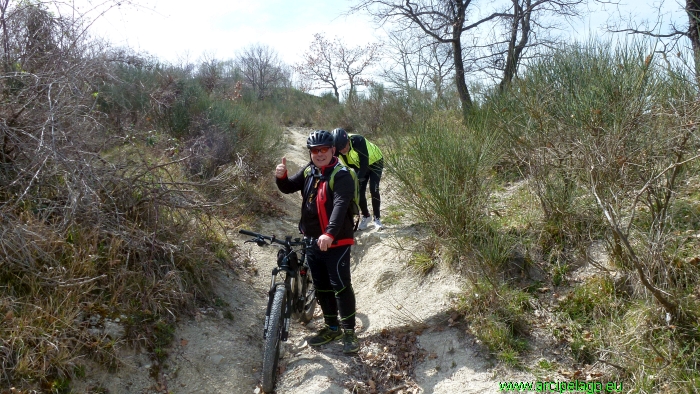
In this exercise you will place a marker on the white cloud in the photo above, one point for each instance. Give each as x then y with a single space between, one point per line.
174 28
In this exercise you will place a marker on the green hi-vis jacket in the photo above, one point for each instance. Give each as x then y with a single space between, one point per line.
361 155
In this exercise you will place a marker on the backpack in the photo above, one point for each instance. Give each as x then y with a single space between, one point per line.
355 206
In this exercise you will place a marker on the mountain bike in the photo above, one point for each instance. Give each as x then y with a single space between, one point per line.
293 297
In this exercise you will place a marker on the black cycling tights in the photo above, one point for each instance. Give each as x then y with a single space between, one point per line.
374 175
331 276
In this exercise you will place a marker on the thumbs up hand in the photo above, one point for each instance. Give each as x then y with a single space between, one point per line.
281 170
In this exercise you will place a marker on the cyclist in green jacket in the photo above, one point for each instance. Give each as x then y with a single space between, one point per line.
367 160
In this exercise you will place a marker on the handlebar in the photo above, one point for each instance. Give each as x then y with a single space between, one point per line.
259 239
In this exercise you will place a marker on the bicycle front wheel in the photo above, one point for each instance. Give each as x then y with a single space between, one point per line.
271 349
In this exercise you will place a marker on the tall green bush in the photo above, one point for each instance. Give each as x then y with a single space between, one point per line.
445 172
608 134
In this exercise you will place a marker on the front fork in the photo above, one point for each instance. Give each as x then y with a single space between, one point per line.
287 306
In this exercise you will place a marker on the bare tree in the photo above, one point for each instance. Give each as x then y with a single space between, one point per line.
440 67
332 64
403 70
353 61
447 21
262 69
443 20
210 72
5 34
318 66
671 35
518 39
416 63
692 8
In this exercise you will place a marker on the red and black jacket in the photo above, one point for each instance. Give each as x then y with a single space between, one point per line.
323 211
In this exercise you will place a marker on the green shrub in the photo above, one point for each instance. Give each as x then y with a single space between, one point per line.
444 170
498 317
574 116
652 355
126 97
591 301
426 256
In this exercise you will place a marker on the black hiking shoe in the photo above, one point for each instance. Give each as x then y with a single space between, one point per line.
350 343
325 335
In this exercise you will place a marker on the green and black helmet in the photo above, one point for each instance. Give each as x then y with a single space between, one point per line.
341 138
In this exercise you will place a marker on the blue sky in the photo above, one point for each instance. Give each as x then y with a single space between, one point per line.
175 30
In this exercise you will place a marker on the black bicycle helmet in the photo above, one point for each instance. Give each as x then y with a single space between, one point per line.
319 138
340 137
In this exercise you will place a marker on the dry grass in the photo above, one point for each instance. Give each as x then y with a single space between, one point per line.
107 235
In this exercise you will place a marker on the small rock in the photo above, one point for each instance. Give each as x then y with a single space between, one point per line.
113 330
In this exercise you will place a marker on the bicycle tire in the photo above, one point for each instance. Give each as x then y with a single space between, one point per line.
307 312
271 348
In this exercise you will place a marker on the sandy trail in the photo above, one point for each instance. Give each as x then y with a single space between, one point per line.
215 353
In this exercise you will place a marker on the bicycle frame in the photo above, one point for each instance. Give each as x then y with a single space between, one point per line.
290 282
292 262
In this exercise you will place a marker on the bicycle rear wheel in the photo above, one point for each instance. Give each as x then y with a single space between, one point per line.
271 349
309 302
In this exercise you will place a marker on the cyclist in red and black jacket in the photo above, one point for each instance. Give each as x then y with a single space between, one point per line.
327 215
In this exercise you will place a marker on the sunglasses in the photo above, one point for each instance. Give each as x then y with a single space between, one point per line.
322 149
